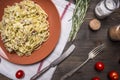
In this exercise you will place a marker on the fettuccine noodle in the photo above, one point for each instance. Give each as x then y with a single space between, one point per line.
24 27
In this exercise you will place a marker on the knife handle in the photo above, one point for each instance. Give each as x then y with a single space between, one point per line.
55 62
40 73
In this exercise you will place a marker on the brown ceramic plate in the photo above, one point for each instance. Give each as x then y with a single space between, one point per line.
48 46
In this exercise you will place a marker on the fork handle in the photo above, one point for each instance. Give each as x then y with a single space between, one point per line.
74 70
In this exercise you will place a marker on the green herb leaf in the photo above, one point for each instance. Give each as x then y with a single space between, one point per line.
78 17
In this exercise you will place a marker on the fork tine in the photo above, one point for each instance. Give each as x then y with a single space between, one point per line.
98 51
97 48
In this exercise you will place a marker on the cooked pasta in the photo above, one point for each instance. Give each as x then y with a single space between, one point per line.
24 27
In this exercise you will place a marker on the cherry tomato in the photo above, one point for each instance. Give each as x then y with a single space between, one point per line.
20 74
99 66
95 78
113 75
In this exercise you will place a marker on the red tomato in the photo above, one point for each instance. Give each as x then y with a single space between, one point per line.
96 78
99 66
20 74
113 75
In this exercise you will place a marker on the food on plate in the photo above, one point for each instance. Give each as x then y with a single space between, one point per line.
20 74
99 66
24 27
113 75
95 24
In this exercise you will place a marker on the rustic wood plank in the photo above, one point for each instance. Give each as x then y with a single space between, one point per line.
85 41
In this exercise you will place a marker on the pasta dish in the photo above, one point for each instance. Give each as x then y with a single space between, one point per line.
24 27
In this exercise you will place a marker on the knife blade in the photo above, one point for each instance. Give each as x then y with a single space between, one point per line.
55 62
73 1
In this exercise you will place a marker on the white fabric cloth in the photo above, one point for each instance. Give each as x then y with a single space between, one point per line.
9 69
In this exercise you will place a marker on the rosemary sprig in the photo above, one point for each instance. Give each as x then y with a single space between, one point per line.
78 17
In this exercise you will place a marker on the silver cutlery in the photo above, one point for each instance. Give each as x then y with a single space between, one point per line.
55 62
91 55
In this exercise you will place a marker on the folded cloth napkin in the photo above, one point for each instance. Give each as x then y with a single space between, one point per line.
9 69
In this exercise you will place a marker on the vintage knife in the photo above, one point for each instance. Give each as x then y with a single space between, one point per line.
55 62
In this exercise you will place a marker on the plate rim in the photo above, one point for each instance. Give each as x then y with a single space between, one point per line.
58 37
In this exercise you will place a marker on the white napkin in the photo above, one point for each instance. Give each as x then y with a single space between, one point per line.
9 69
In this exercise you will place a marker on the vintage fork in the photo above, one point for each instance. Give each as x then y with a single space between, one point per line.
91 55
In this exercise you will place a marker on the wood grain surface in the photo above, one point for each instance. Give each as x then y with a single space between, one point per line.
85 41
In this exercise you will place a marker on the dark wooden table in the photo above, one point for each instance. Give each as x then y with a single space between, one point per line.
85 41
